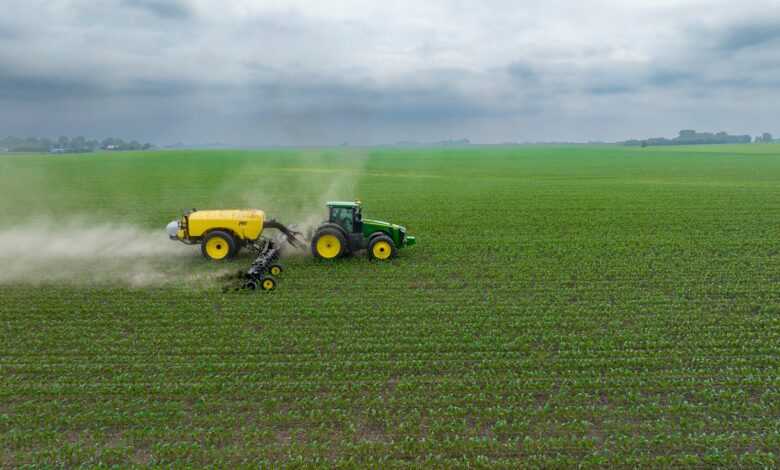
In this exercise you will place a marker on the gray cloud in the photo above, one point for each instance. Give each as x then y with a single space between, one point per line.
342 101
161 88
747 35
610 89
521 71
662 76
8 32
167 9
299 72
30 88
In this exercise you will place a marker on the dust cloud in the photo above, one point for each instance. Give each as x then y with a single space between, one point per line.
83 252
304 187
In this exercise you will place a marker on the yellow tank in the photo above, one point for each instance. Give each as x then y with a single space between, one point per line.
244 224
222 233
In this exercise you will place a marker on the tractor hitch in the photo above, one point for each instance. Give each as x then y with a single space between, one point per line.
291 236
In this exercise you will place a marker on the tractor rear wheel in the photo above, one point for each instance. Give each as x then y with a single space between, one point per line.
328 243
218 245
381 248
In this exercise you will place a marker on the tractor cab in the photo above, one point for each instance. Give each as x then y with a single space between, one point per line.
347 215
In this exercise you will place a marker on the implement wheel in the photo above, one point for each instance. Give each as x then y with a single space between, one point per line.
381 248
268 283
218 245
275 270
328 243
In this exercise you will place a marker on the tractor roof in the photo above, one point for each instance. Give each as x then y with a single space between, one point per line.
349 204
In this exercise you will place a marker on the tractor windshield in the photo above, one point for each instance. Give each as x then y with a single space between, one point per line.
342 216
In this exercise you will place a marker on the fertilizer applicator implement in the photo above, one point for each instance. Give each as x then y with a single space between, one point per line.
223 233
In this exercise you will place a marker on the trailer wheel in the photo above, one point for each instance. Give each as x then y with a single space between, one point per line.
236 250
381 248
218 245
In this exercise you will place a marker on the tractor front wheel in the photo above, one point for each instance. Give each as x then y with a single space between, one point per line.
328 243
381 248
218 245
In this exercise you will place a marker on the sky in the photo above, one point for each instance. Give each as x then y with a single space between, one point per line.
267 72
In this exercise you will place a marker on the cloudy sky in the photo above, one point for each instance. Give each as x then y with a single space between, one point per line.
260 72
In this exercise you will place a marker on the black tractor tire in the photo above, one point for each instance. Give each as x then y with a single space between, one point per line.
381 248
228 239
329 231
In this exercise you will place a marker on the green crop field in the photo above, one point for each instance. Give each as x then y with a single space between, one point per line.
602 306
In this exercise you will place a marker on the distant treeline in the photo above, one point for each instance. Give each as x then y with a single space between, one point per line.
68 144
441 143
691 137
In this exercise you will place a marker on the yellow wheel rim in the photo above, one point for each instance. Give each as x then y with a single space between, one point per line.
276 270
217 248
268 284
328 246
381 250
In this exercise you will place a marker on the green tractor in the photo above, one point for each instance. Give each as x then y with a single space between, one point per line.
346 232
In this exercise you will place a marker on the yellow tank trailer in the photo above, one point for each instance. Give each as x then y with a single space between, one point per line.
222 233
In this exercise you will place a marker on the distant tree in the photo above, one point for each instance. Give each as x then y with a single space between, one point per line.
691 137
767 138
115 143
78 144
67 144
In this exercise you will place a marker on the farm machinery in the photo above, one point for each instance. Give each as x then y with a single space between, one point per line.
346 232
221 234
